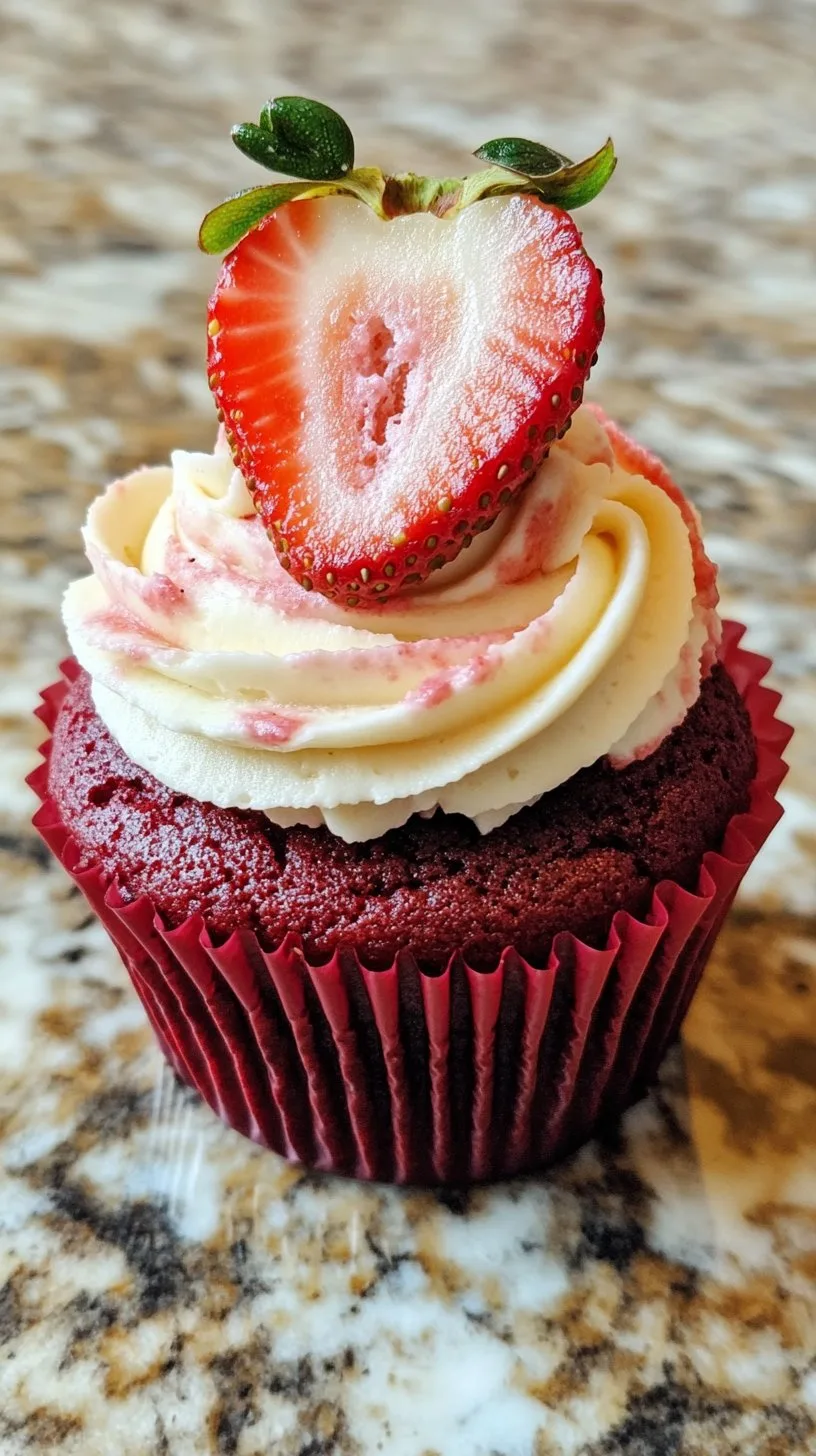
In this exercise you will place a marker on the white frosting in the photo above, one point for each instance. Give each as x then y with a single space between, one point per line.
571 630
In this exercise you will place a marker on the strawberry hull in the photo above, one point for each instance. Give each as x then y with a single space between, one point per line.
399 1075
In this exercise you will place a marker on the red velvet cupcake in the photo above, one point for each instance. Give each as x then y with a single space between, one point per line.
412 810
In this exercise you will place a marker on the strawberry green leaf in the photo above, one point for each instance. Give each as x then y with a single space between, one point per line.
299 137
578 183
570 187
231 220
257 144
518 155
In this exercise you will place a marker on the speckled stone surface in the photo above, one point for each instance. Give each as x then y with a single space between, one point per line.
165 1287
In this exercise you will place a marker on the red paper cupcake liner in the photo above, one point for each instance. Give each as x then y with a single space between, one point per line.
409 1077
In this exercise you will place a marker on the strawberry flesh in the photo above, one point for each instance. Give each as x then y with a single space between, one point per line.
388 388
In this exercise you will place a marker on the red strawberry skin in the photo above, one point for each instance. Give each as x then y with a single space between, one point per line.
388 388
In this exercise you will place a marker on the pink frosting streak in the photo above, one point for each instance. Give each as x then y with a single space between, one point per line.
269 725
114 629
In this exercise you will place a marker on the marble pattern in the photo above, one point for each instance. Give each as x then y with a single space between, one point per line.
165 1288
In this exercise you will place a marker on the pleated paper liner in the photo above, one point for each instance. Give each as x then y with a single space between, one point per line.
415 1078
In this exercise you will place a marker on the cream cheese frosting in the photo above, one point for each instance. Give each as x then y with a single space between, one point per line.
574 628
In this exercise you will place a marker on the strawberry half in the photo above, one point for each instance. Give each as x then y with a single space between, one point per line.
391 375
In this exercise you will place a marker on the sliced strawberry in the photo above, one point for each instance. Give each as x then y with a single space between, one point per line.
388 387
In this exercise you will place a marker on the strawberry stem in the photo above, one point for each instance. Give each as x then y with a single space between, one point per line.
408 193
309 141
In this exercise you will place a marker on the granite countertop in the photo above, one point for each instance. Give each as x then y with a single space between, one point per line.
165 1287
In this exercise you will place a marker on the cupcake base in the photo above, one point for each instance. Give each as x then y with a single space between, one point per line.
412 1077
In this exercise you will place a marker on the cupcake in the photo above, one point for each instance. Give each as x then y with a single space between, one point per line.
403 754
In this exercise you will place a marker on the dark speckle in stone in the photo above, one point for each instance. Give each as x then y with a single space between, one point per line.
230 1423
89 1316
384 1264
614 1215
654 1423
455 1200
11 1322
243 1271
238 1373
795 1427
134 247
42 1430
686 1283
162 1446
145 1235
613 1238
672 1126
292 1377
114 1112
626 1185
74 954
657 1419
28 847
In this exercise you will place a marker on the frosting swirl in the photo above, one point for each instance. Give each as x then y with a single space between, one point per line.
578 626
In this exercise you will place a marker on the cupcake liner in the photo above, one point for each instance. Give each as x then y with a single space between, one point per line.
409 1077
